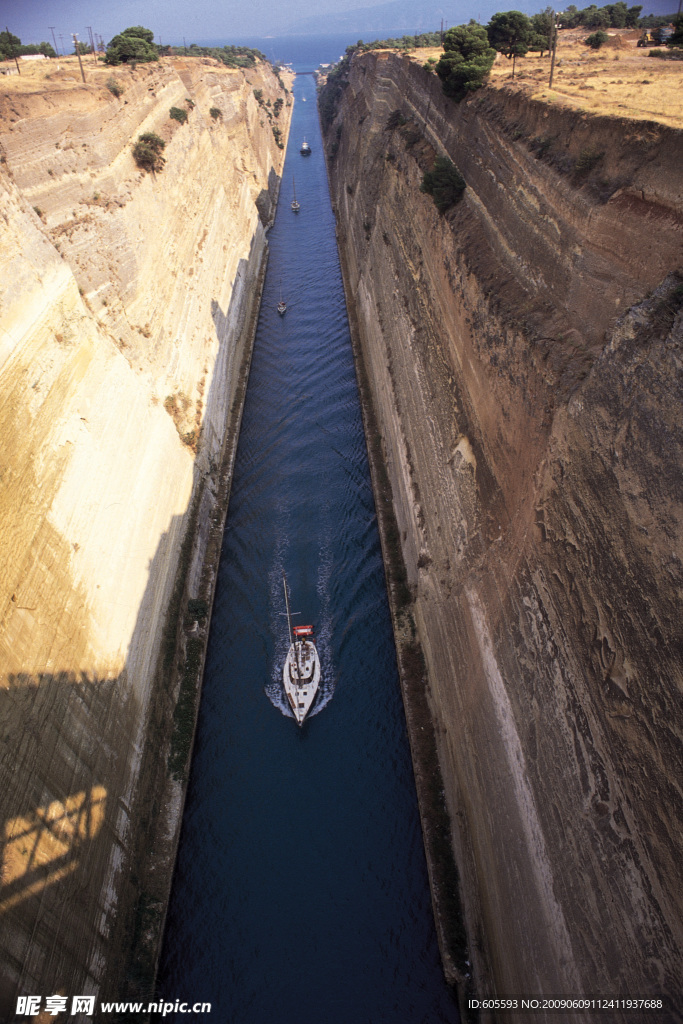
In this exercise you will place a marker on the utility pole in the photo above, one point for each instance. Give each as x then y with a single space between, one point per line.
52 29
552 56
185 45
92 42
61 39
78 54
11 45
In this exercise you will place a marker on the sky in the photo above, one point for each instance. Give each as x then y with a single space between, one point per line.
200 20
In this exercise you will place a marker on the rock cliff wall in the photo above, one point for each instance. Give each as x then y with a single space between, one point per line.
521 357
125 306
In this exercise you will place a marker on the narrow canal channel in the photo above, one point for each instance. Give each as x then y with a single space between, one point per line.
300 894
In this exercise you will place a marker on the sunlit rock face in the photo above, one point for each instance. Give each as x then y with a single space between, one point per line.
523 357
123 301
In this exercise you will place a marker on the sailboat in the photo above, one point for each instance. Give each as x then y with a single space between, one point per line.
301 670
295 206
282 305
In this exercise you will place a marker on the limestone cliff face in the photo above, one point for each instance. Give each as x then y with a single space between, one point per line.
526 386
123 302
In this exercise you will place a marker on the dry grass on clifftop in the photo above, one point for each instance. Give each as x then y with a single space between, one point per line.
619 80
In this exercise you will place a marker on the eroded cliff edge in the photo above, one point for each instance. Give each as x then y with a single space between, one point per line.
127 303
521 359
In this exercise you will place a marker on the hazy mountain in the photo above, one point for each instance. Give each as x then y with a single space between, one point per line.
408 16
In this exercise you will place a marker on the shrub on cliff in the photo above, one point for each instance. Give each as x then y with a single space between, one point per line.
132 45
395 120
467 60
178 114
445 184
147 152
115 88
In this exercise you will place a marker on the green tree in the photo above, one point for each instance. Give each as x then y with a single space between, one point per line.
9 44
511 33
596 17
141 32
677 38
467 60
570 18
617 14
542 25
133 44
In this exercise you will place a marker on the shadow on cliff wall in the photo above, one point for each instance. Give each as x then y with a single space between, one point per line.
80 761
67 739
267 198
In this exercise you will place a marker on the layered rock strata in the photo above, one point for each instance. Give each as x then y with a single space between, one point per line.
126 306
521 357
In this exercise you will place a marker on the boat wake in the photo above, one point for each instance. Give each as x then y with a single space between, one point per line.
324 633
322 625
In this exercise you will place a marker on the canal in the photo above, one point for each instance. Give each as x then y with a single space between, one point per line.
300 894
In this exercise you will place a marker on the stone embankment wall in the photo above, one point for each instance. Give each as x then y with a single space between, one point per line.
126 300
521 356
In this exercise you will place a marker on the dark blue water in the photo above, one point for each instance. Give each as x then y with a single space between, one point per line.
300 894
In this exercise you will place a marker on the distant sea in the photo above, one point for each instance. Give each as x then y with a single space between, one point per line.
304 52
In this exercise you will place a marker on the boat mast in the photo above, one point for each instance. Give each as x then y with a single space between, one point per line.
289 620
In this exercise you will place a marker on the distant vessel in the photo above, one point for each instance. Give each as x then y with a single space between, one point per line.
295 206
305 148
301 671
282 305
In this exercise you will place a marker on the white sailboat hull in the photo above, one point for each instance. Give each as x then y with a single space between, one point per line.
301 677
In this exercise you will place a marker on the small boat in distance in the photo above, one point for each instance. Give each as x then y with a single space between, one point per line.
282 305
295 206
301 671
305 148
